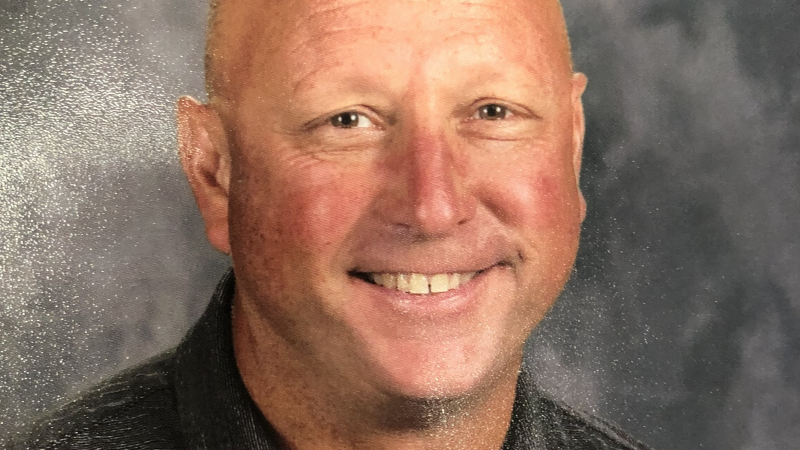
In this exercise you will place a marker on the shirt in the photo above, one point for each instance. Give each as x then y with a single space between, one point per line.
192 397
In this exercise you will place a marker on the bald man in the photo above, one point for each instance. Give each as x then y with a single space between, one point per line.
396 182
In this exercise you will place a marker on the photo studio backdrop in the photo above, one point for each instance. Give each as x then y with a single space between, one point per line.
681 322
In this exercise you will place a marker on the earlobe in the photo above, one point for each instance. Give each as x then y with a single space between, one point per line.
203 150
579 82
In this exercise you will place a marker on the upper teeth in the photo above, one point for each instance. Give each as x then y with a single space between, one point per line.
415 283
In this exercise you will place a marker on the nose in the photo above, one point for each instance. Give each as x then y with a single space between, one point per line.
427 193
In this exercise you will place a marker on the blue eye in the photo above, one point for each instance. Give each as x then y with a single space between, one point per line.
350 119
492 112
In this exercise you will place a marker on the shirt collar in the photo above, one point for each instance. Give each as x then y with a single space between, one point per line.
213 404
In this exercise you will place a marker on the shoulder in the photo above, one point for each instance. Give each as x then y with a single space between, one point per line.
133 408
569 428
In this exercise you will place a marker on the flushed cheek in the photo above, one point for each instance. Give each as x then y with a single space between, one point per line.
542 205
314 206
556 203
542 199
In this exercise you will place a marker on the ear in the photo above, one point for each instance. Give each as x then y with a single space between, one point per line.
203 150
579 82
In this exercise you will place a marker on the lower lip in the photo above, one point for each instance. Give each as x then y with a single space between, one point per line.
448 304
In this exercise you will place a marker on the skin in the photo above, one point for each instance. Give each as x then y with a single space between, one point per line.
427 184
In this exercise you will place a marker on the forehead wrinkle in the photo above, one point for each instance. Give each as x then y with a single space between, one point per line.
342 8
242 55
377 28
325 11
299 47
546 28
533 57
308 23
332 59
318 37
542 19
533 60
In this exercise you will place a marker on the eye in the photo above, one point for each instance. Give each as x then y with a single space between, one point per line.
350 119
492 111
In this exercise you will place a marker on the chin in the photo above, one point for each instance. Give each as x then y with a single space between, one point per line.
445 346
440 371
427 388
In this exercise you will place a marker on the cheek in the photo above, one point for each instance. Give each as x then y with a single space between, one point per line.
303 209
537 199
319 212
535 196
553 202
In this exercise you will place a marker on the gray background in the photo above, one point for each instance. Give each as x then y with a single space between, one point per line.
681 322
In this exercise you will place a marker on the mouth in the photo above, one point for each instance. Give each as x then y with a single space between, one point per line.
418 283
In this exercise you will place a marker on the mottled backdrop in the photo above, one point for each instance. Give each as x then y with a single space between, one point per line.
682 322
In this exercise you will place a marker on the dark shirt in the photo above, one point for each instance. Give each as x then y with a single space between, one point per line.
192 397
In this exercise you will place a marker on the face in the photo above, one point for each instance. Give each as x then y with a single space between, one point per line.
402 195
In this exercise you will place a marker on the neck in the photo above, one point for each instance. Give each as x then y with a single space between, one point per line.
313 410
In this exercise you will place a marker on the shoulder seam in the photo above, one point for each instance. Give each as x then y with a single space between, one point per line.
82 404
599 425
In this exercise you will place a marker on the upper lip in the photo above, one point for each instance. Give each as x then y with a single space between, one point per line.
434 263
425 271
473 250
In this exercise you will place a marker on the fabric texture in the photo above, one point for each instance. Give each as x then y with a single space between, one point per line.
193 398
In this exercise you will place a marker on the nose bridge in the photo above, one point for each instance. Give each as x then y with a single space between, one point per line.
432 177
433 201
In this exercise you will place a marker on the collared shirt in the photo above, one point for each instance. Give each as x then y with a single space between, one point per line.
192 397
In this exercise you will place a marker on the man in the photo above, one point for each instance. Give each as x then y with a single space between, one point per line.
396 182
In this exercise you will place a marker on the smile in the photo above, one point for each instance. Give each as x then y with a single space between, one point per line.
417 283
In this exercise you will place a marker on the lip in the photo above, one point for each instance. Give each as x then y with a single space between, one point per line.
448 256
444 305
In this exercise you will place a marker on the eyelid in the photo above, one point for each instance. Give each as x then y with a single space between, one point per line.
515 109
363 111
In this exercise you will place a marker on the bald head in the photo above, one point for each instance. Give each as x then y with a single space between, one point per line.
234 27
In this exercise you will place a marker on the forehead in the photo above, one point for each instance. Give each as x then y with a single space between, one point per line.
414 17
417 26
308 36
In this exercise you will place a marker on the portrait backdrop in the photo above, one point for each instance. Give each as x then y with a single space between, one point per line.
681 322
